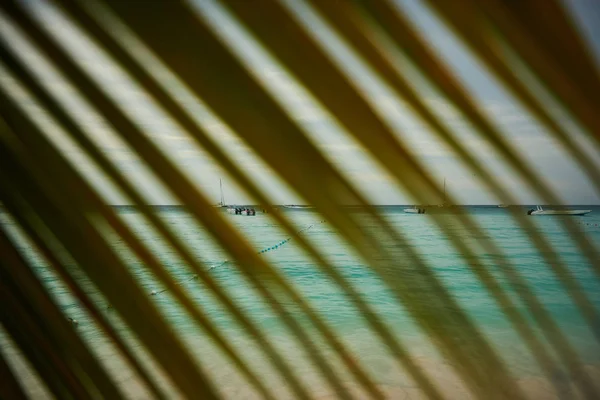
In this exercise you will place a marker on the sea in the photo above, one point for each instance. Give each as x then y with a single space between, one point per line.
336 309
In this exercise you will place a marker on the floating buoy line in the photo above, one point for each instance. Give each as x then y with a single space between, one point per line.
276 246
588 223
222 263
263 251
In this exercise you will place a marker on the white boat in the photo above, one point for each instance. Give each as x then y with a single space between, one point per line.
414 210
233 209
540 211
297 207
241 211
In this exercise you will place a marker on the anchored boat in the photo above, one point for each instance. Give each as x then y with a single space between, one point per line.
234 209
241 210
297 207
414 210
540 211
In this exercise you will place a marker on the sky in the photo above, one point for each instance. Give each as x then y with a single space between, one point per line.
525 135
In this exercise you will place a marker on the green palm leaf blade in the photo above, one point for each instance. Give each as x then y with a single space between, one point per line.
468 24
552 59
64 218
302 59
27 289
121 53
211 149
184 190
33 231
189 79
107 271
401 31
11 387
138 200
343 22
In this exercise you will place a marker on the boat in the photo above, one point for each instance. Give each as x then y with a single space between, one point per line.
242 211
540 211
509 206
421 210
297 207
233 209
248 211
414 210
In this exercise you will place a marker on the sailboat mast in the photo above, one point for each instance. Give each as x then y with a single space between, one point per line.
222 196
444 190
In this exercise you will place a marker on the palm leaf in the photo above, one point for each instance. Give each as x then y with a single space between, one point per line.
67 220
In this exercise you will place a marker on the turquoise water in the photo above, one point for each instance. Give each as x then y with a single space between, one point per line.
335 308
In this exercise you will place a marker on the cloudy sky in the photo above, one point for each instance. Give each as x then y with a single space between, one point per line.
524 134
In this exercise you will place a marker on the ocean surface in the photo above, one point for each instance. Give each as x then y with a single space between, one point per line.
327 299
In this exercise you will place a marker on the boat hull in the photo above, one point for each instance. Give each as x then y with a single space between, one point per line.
560 212
242 211
294 207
